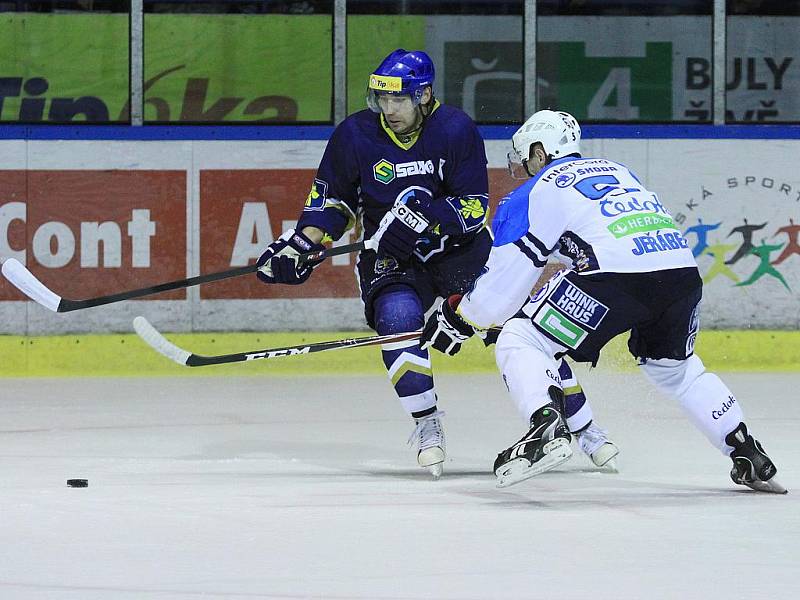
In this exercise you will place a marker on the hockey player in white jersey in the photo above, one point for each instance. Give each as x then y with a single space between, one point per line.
631 270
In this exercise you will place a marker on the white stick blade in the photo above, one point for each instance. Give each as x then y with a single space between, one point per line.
158 342
26 282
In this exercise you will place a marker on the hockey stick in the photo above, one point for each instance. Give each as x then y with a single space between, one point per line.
162 345
29 285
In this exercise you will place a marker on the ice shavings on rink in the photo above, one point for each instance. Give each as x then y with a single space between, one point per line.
231 488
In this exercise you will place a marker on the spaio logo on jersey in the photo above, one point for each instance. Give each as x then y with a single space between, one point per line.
386 172
316 197
567 313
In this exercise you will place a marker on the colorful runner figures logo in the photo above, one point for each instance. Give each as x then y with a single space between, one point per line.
748 249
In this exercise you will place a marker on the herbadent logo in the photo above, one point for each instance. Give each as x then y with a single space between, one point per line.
640 223
384 171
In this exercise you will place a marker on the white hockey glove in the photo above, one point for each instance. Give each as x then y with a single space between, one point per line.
280 262
445 331
399 230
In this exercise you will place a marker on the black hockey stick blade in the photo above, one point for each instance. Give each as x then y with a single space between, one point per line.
28 284
151 336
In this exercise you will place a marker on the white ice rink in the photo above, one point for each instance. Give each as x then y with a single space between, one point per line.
223 488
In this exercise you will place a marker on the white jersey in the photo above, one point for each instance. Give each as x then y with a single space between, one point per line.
592 214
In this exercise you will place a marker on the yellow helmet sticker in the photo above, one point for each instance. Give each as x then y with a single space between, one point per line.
385 83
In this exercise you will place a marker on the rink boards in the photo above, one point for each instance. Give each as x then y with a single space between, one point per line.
91 217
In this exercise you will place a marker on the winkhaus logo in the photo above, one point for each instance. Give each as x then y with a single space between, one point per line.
33 104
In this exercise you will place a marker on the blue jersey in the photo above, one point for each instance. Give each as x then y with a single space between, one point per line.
366 168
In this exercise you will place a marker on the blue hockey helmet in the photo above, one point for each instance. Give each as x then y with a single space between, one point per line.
403 72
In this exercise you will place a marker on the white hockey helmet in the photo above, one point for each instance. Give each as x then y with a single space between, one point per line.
558 132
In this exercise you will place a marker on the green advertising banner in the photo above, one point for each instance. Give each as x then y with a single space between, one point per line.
63 67
370 38
198 68
253 68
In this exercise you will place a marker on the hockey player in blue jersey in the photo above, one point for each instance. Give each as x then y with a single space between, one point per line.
631 270
412 173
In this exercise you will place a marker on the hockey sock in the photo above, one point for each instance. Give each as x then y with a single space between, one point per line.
577 408
707 401
398 309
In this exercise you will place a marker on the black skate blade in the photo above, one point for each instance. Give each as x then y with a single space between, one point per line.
771 486
520 469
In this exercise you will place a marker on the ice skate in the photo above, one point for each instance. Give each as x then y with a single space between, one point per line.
595 444
751 465
429 436
544 447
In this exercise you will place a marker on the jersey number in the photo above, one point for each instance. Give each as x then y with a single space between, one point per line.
598 186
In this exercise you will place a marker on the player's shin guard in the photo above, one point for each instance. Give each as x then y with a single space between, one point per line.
525 359
714 409
703 396
399 309
544 447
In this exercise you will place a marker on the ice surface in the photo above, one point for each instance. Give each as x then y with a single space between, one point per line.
229 488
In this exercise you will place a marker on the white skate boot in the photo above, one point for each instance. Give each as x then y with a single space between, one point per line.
429 437
595 444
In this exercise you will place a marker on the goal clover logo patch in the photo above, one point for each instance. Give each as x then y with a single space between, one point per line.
471 209
316 197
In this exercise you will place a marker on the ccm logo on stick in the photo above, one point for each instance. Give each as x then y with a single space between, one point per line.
283 352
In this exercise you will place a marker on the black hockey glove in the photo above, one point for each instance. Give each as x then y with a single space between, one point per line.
280 262
399 230
489 336
445 331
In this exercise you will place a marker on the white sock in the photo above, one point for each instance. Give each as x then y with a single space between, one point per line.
708 402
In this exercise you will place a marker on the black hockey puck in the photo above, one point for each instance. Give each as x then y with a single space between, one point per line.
78 482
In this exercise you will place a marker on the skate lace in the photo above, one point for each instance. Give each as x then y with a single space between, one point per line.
591 438
428 432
